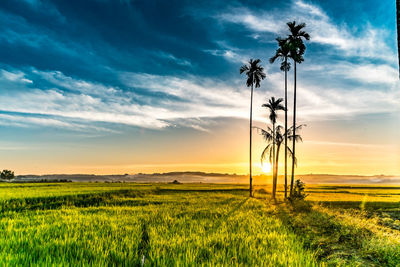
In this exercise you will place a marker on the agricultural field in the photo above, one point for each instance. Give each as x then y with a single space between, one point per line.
128 224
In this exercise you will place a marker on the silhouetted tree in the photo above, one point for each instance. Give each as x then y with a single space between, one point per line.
255 73
277 138
274 105
297 49
7 175
282 53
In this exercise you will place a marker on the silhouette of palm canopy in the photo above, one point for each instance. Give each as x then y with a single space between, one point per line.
295 41
282 53
255 73
274 105
268 136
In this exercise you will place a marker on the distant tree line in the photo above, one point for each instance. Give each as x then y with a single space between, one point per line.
8 175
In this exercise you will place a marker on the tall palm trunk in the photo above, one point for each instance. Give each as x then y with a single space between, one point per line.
398 31
276 165
294 132
251 126
273 162
285 127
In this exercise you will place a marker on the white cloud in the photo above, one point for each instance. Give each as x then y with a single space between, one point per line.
59 79
202 98
179 61
15 76
195 100
367 43
81 106
265 23
27 120
370 73
229 55
316 102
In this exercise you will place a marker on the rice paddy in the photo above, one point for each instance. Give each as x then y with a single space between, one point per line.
127 224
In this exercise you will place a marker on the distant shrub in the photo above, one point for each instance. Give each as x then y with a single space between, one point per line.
297 198
7 175
298 191
176 182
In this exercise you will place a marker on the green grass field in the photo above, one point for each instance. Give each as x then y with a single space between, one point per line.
125 224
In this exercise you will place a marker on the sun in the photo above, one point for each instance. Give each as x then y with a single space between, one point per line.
266 167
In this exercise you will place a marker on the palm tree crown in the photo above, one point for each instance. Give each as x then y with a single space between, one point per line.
278 140
283 53
295 41
274 105
255 73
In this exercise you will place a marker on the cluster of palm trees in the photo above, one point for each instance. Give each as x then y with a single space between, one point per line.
291 48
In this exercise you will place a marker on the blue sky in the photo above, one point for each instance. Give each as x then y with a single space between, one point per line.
89 84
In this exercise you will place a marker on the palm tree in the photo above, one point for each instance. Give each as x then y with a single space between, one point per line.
297 49
255 73
283 52
398 31
274 105
277 138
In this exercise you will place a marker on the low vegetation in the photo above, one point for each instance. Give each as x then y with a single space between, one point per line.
197 224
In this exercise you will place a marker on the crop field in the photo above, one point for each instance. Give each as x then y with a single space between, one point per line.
127 224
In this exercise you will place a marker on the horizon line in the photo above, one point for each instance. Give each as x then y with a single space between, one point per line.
208 173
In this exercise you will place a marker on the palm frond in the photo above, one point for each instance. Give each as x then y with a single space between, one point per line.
297 138
267 105
267 149
291 155
285 65
244 68
275 57
298 127
267 134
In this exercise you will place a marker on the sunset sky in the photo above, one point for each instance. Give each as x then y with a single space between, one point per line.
107 86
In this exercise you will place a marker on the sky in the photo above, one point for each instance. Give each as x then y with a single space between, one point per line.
104 87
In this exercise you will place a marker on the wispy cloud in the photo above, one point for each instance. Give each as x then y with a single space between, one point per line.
150 100
196 100
179 61
365 42
229 54
15 76
358 145
34 120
